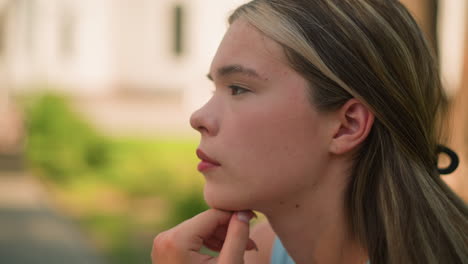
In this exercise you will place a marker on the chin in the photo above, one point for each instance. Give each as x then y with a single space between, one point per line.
225 200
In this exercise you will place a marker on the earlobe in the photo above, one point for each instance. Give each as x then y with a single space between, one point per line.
355 121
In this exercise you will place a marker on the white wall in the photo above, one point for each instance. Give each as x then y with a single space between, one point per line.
207 31
90 67
115 43
142 36
34 53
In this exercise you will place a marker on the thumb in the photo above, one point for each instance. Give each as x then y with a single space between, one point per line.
237 238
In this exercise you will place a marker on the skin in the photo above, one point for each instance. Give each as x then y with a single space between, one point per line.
264 237
278 155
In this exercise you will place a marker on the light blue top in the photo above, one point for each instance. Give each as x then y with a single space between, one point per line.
280 255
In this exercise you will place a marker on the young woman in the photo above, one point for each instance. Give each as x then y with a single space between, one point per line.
326 118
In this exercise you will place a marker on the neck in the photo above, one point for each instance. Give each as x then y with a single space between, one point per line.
317 229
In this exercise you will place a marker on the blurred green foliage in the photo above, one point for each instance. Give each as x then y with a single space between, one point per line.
122 191
60 143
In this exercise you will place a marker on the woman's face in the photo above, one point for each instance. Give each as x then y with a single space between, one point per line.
259 126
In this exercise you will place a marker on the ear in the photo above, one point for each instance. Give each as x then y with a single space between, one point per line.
354 122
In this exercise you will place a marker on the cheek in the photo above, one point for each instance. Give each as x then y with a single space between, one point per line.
278 140
269 155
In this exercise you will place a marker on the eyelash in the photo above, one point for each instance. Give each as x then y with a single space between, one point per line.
237 88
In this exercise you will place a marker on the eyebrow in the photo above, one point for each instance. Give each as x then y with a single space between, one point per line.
236 68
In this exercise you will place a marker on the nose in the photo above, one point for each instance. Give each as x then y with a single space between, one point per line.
204 120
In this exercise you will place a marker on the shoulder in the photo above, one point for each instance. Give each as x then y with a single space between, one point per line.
264 236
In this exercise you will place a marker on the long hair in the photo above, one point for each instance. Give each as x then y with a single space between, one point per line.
400 209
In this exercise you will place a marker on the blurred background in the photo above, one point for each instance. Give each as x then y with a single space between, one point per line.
96 151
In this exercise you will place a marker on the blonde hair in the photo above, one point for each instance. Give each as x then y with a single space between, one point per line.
372 50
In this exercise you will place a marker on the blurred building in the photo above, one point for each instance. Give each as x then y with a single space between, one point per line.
97 47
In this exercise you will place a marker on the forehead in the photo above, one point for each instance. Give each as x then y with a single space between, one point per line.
245 45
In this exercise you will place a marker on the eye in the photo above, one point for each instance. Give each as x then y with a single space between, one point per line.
236 90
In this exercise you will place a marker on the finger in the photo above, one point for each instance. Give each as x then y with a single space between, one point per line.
216 244
236 239
213 244
202 227
221 232
216 240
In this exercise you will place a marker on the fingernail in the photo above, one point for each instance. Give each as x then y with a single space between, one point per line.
244 216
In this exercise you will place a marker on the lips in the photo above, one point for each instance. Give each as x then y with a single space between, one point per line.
206 162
